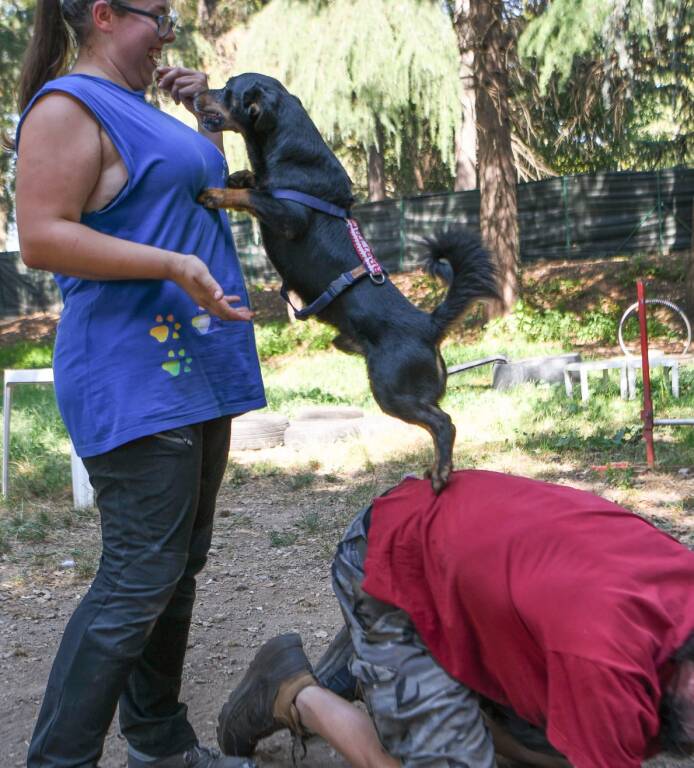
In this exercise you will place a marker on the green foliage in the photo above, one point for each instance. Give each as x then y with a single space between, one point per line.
566 29
532 324
40 450
277 338
15 20
283 399
361 67
27 354
615 84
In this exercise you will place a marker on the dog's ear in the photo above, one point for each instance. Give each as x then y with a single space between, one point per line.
261 107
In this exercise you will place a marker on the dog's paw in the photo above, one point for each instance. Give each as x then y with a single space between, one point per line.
212 198
241 180
439 477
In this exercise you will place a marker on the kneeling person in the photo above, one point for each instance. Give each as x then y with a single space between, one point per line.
561 613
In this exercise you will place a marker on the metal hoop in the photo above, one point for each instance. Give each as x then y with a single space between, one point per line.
664 303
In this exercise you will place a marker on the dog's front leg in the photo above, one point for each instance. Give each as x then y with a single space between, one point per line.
234 199
241 180
288 218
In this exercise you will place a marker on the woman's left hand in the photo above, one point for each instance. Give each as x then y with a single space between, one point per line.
183 84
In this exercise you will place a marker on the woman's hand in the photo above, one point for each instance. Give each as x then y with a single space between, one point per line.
183 84
194 277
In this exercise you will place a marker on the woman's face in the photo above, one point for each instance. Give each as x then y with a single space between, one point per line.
132 42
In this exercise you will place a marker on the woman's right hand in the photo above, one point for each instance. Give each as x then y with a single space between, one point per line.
192 274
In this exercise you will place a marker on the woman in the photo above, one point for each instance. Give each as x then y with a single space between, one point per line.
151 361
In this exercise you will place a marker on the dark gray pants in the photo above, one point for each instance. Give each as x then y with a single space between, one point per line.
126 642
422 715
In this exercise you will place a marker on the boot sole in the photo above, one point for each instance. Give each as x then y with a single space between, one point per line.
264 658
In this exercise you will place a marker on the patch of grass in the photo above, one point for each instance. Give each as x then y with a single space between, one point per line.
86 562
301 480
619 477
40 448
236 474
309 522
261 469
281 399
32 529
279 539
5 539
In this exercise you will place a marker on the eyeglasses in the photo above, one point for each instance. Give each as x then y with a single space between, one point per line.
166 23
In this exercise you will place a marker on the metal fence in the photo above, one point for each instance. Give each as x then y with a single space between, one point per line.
569 217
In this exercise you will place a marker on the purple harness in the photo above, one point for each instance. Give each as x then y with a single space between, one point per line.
369 264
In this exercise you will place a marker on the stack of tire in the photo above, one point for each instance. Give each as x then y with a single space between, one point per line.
327 424
324 424
254 430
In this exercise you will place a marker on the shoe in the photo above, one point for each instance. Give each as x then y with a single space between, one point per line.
263 702
197 757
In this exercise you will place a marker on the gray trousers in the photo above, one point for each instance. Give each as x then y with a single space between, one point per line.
423 716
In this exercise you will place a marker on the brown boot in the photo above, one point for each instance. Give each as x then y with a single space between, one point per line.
264 700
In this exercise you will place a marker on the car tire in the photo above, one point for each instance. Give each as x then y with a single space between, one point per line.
327 413
253 431
300 433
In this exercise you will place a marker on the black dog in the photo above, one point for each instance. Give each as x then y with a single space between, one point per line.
310 249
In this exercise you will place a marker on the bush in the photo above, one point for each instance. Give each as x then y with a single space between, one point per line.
274 339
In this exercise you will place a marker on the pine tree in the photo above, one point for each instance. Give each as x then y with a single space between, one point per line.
366 72
615 76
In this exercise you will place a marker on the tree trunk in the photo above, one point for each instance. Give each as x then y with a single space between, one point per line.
466 135
497 170
376 168
689 277
4 220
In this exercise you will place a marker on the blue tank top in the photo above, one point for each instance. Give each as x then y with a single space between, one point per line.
135 357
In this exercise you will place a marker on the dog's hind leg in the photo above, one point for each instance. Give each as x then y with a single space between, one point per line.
408 378
436 422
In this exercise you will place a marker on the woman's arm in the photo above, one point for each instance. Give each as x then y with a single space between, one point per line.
58 166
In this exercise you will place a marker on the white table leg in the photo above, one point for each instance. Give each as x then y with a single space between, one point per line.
675 378
82 491
568 383
631 377
623 383
584 385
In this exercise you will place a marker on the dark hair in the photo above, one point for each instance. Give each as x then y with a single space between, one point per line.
685 652
673 735
59 28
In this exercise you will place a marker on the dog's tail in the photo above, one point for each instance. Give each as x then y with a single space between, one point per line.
458 258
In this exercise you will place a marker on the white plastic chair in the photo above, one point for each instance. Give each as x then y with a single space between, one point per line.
82 491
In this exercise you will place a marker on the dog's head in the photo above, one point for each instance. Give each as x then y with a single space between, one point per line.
281 139
248 104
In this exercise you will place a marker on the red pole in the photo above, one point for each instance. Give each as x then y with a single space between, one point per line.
647 412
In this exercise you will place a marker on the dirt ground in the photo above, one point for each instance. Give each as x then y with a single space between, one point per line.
251 589
268 572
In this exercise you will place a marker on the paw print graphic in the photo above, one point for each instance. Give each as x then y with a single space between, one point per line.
167 330
166 327
179 361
